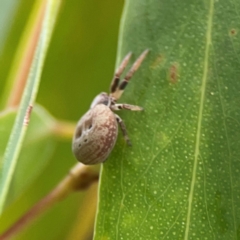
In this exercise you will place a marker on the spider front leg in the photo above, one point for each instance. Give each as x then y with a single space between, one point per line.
124 130
119 106
119 71
118 88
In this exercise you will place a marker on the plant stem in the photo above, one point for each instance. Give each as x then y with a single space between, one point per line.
64 129
80 177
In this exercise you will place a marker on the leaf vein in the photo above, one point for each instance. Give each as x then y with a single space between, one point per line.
199 124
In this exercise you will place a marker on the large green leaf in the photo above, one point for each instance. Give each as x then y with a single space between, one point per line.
180 180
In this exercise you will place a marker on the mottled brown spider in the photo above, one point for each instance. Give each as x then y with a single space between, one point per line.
97 130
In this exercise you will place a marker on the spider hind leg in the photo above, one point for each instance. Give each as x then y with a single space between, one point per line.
124 130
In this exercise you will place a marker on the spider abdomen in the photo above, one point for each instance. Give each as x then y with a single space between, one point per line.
95 135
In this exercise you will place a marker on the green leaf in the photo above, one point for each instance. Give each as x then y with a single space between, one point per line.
7 11
6 123
180 179
27 101
17 13
36 151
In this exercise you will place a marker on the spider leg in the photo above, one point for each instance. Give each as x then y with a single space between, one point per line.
116 78
119 90
124 131
120 106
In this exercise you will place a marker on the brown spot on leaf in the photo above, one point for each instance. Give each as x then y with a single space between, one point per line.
173 73
157 61
233 32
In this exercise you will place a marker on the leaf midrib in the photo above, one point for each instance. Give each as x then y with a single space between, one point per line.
200 114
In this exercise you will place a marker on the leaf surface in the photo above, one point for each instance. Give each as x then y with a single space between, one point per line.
180 179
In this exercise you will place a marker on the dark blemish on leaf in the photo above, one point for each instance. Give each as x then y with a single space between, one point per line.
157 62
173 73
233 32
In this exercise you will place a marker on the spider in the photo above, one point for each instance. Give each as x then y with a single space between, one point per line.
97 130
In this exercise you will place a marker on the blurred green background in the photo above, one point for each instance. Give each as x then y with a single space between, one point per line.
80 64
182 178
81 57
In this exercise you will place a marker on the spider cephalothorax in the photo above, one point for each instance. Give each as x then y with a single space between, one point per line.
97 130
